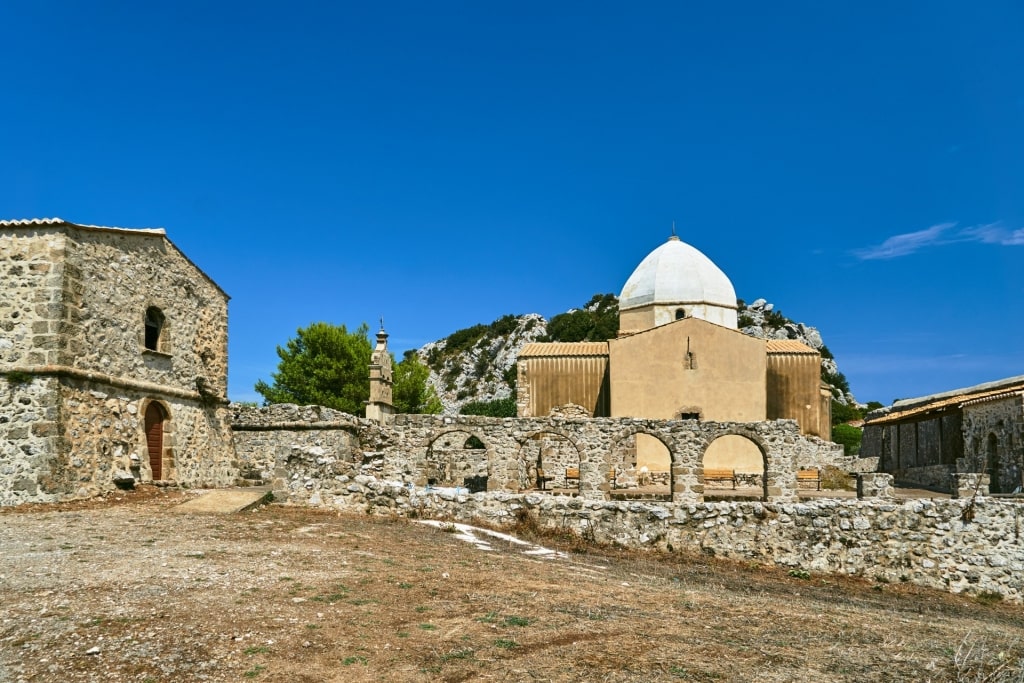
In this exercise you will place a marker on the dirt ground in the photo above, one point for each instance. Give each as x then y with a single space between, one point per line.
127 589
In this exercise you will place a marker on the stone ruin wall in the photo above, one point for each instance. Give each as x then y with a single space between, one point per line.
410 449
926 542
325 458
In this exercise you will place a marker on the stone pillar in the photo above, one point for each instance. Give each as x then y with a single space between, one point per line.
380 404
875 485
967 484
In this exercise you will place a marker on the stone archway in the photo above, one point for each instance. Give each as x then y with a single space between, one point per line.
640 463
741 453
457 457
157 431
553 452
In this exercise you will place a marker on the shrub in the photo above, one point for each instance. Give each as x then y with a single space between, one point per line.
501 407
849 437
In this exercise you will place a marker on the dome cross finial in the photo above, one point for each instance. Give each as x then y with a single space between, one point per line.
673 236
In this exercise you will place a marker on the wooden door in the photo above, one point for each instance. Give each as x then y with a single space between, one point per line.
155 438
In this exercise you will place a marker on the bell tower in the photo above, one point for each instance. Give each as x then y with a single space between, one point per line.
380 404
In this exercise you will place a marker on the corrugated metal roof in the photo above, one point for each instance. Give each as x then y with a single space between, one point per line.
28 222
788 346
564 349
946 400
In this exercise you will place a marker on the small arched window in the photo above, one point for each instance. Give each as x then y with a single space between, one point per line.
154 328
680 313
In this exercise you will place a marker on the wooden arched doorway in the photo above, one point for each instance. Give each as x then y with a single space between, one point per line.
155 417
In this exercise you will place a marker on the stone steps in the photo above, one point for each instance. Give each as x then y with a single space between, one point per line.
227 501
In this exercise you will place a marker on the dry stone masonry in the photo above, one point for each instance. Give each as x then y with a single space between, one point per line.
113 363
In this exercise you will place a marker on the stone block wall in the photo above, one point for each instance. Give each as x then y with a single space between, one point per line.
111 278
994 434
29 439
933 543
420 449
933 477
31 263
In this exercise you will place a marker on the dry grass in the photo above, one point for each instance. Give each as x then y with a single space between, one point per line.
288 594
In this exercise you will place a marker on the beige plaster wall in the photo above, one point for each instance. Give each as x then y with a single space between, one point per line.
649 375
794 393
645 317
734 452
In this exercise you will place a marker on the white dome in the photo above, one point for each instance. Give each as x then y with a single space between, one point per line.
676 274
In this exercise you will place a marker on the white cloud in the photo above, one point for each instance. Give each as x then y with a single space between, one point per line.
993 233
909 242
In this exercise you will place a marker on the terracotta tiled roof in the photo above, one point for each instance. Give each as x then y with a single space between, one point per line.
788 346
537 349
911 407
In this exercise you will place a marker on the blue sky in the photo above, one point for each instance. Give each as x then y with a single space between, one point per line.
859 164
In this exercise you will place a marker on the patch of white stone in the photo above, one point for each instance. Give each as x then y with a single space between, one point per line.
476 536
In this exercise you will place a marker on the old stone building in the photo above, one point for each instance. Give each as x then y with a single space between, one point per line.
113 358
679 355
924 441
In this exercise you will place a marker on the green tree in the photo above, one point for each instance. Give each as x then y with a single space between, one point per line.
410 392
849 437
499 407
325 365
598 320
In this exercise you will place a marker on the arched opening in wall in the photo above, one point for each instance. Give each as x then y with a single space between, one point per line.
735 465
992 464
457 459
680 313
156 440
640 467
547 461
155 333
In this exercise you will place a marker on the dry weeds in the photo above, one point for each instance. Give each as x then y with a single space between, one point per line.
289 594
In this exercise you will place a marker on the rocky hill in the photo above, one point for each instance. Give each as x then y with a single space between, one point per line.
477 364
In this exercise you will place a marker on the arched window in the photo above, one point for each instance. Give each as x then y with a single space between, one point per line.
680 313
154 328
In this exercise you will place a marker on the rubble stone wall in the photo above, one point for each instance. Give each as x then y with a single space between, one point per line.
927 542
30 300
29 438
77 375
416 449
998 423
111 279
105 429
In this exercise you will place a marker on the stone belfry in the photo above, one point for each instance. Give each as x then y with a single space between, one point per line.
380 403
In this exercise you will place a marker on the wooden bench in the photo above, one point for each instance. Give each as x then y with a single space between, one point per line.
542 480
809 477
572 474
720 475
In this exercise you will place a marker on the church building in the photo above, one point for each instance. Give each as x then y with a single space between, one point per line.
679 355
